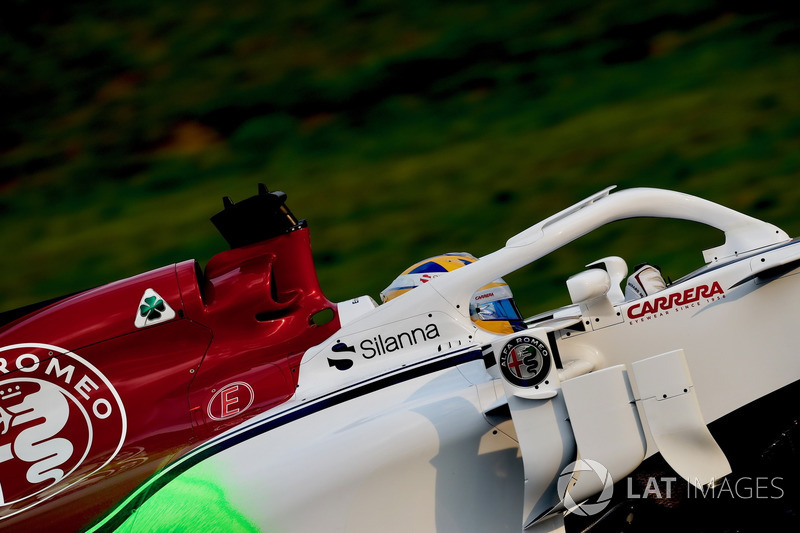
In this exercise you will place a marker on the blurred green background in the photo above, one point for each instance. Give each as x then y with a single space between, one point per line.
398 130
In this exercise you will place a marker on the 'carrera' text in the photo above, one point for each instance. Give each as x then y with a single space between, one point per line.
664 303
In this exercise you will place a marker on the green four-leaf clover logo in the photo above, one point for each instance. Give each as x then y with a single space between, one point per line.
152 308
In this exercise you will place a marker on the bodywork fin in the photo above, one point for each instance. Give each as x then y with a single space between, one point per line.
668 400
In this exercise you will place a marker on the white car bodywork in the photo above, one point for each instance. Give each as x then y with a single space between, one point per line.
399 422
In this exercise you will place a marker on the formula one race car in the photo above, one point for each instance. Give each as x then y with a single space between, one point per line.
239 398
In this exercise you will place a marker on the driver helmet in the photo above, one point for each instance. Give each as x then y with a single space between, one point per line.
492 307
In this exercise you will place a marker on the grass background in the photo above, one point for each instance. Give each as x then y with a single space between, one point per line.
398 130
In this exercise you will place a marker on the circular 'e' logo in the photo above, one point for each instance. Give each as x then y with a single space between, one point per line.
230 400
61 420
525 361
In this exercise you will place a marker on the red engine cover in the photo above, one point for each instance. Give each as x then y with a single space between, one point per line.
102 389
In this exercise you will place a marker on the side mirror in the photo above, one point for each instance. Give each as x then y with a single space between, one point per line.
592 289
617 269
588 285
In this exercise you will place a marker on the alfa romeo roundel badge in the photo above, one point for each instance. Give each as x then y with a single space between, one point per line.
525 361
61 420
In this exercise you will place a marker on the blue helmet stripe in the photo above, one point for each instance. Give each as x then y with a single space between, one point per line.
428 266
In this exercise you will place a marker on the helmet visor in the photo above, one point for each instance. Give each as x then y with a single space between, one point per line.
499 310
